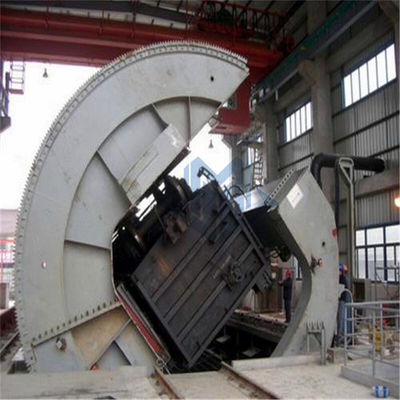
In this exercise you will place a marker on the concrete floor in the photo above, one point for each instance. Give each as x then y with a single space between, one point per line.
286 381
310 381
125 382
208 385
360 371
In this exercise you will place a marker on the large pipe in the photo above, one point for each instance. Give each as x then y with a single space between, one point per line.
324 160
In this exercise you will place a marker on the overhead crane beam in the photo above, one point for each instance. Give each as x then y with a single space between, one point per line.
43 36
108 6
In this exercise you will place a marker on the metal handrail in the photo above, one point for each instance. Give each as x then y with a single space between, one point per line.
367 303
376 329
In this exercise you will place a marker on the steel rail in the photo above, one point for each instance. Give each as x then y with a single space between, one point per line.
8 344
8 350
258 392
169 387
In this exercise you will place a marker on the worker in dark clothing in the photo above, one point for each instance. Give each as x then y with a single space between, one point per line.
344 279
287 294
345 297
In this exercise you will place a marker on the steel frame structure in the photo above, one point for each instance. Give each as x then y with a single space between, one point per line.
32 35
50 37
116 136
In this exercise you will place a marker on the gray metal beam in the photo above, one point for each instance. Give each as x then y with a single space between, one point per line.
116 6
335 25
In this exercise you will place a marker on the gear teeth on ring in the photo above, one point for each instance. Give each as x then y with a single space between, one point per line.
55 128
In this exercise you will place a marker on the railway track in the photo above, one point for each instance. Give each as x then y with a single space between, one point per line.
256 391
169 388
8 343
224 383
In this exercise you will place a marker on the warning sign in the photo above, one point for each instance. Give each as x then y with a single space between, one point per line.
295 195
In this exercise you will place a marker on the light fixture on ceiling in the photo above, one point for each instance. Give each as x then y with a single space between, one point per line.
211 146
45 74
397 201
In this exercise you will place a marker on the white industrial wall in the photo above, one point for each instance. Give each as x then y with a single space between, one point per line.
369 127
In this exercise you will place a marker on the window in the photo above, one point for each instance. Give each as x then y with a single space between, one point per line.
375 236
370 76
298 122
378 253
251 155
252 159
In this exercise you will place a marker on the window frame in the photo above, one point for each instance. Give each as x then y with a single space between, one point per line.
384 245
250 156
366 63
289 118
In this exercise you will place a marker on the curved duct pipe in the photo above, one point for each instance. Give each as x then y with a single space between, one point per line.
325 160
